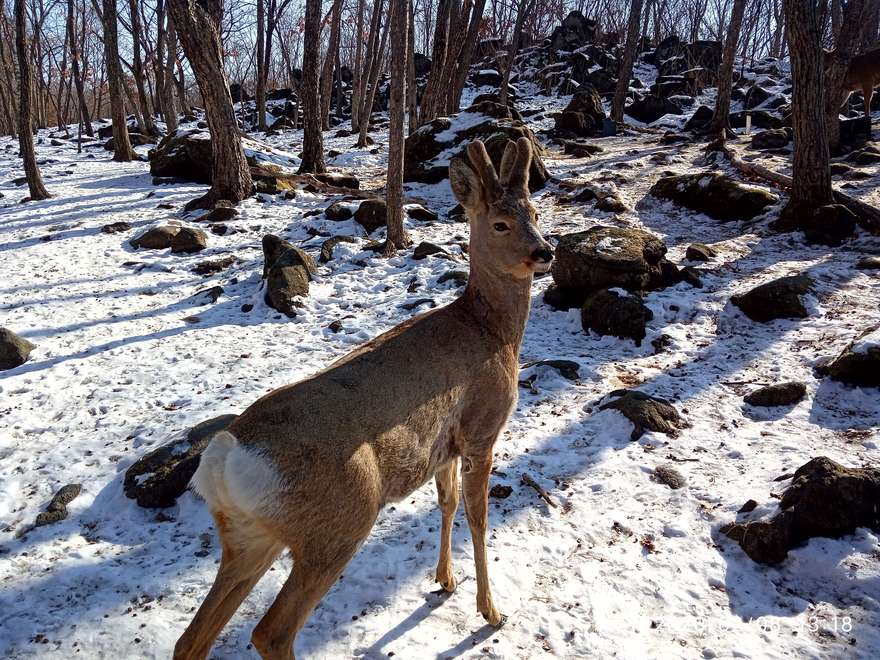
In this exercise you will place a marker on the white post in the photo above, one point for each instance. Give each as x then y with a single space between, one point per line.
748 123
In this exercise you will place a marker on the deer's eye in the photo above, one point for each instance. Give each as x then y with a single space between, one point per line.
500 226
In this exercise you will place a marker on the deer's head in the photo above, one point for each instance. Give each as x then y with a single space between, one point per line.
504 224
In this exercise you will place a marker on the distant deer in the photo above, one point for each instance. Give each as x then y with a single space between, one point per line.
864 74
309 466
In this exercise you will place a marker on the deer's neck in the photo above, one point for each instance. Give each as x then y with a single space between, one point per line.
500 304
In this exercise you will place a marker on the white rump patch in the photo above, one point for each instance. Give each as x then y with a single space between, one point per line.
230 475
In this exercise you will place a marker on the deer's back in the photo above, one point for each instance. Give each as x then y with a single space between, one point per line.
864 68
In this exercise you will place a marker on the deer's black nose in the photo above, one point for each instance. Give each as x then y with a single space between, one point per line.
543 255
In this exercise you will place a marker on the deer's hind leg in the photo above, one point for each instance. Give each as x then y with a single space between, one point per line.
867 93
319 557
446 479
248 551
475 485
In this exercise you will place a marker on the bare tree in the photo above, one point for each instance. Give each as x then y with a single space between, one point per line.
75 68
524 8
122 150
25 88
720 123
198 26
629 56
358 61
329 60
396 237
137 68
167 91
811 172
261 61
313 139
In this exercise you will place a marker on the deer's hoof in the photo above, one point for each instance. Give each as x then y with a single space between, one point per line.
448 582
493 618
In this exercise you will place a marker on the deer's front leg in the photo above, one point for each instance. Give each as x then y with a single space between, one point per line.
447 496
475 484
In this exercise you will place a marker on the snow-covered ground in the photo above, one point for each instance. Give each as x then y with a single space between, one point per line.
624 567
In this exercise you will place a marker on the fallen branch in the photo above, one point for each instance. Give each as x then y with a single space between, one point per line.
531 483
868 216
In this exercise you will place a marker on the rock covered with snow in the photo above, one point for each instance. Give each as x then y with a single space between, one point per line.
859 363
646 412
781 298
616 312
715 194
287 271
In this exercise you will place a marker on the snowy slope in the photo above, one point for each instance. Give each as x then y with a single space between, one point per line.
624 567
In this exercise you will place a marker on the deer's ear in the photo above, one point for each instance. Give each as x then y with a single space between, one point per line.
466 184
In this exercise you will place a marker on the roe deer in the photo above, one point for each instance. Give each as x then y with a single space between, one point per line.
864 74
309 466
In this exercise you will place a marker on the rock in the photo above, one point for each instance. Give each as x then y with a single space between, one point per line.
210 267
748 507
420 213
425 249
610 313
715 194
487 77
755 96
157 238
777 299
136 139
647 413
328 245
496 143
609 257
287 270
56 511
422 64
581 149
189 240
700 119
338 211
568 369
827 225
670 47
185 154
651 108
371 214
824 499
859 363
866 156
773 138
460 277
575 31
220 213
494 109
574 124
14 350
339 180
869 263
500 492
115 227
158 478
781 394
670 476
700 252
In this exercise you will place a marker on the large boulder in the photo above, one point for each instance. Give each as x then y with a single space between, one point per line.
859 363
616 313
157 479
650 108
428 150
372 214
778 299
606 258
287 270
14 350
715 194
574 32
772 138
179 239
705 54
824 499
646 412
185 155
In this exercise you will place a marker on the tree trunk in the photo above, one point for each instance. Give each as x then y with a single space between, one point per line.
428 108
198 27
358 61
467 54
720 123
412 101
122 145
167 90
313 140
629 56
75 70
329 61
36 186
261 69
138 68
521 12
396 236
811 173
370 91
